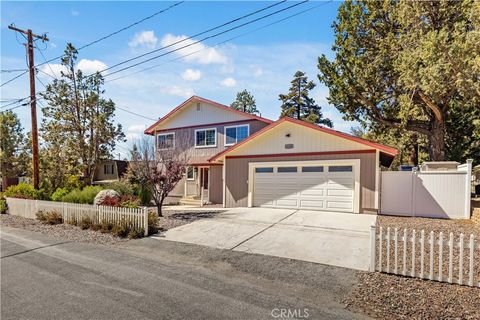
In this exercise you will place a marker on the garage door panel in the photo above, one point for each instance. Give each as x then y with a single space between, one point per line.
305 190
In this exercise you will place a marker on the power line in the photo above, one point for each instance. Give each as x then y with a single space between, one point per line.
116 32
16 77
48 64
198 41
137 114
220 43
12 70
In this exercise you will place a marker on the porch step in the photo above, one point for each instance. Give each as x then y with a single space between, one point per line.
190 202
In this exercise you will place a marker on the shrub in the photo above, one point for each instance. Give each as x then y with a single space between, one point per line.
3 206
136 233
105 226
102 195
85 223
109 201
86 195
123 187
145 196
22 190
96 226
129 201
152 223
59 194
73 182
51 217
121 230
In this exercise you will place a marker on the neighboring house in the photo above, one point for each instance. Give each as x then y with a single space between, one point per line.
109 171
238 160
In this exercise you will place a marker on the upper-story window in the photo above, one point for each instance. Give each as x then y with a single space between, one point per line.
166 141
206 138
235 134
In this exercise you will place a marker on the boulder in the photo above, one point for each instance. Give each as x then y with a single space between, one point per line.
104 194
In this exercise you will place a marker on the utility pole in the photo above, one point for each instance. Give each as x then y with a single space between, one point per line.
33 102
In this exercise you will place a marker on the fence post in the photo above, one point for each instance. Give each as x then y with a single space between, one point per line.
468 189
145 220
373 235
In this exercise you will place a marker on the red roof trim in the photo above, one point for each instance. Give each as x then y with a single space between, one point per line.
150 131
299 154
388 150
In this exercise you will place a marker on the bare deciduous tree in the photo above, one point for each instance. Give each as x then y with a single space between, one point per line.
158 171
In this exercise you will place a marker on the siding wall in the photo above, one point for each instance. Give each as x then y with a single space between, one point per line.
185 138
237 176
216 185
100 175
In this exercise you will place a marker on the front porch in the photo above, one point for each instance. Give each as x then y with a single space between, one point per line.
201 185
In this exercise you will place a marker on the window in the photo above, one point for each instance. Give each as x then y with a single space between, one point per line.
312 169
236 134
287 169
340 169
263 170
206 138
166 141
108 169
190 173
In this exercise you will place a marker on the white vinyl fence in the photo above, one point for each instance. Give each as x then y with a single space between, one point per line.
432 194
136 218
433 256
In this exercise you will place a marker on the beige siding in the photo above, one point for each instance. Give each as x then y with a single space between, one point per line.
293 138
237 176
216 185
185 138
190 116
100 175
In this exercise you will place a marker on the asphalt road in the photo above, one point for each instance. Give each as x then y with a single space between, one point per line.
44 278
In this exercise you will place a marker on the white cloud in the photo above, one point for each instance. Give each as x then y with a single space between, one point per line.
228 82
74 13
191 75
205 55
144 39
179 91
54 70
53 44
91 66
135 132
257 71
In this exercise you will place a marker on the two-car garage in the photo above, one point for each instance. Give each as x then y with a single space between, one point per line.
315 185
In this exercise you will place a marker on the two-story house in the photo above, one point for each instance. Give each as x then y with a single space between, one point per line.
238 159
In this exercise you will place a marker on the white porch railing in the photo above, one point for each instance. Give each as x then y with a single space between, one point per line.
431 256
135 217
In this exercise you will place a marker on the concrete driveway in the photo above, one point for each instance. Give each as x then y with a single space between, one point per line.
332 238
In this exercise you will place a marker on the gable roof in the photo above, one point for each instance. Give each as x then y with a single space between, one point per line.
150 130
388 151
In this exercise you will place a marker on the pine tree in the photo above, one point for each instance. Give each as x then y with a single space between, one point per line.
298 104
245 102
78 119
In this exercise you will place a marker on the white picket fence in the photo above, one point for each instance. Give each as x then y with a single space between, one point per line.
432 256
136 218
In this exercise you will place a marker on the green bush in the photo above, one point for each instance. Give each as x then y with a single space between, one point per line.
50 217
121 230
152 223
22 190
85 223
145 196
136 233
3 206
129 202
59 194
123 187
86 195
73 182
105 226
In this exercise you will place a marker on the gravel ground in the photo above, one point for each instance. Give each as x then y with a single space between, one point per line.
395 297
175 218
60 231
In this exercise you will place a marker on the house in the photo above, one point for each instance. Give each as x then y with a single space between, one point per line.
239 160
109 171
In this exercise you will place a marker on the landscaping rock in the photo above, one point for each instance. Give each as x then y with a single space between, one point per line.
104 194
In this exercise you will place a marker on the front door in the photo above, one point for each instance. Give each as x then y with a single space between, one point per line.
203 183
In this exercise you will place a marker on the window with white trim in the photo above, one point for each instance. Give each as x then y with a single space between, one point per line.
205 138
166 141
190 173
235 134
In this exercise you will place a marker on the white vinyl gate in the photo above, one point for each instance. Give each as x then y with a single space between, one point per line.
305 186
433 194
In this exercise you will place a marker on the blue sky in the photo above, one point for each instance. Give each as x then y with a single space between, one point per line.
261 61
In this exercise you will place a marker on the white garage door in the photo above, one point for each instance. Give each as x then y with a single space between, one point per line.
305 186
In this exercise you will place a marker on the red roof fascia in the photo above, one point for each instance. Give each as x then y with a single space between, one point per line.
389 150
216 104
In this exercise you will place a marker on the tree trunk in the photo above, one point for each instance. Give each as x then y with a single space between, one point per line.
159 207
436 142
413 154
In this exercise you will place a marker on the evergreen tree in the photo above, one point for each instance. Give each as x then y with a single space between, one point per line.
245 102
77 120
14 150
409 66
298 104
